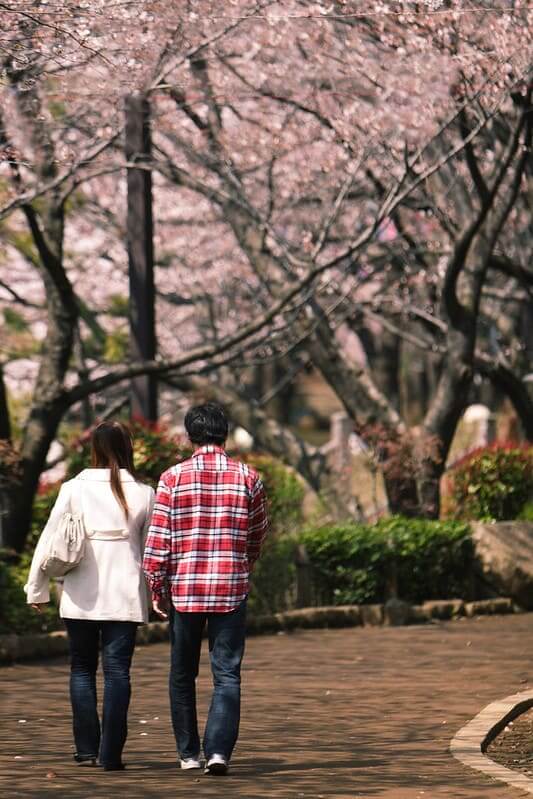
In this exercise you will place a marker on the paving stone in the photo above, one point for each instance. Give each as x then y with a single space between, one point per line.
335 616
418 614
396 612
359 713
484 607
372 615
444 608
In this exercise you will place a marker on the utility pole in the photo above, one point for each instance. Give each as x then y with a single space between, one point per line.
141 255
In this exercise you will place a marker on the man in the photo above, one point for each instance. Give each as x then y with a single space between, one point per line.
208 525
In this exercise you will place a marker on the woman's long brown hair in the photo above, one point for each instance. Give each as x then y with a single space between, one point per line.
112 448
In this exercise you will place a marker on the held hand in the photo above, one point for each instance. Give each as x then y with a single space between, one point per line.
39 606
161 606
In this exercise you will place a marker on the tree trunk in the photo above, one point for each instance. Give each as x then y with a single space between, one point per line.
41 430
141 256
402 495
383 352
429 490
5 425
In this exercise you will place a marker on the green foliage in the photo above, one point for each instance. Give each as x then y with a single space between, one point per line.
18 405
273 577
23 241
93 345
15 321
284 490
116 346
18 340
419 558
431 559
526 514
75 202
119 305
42 506
57 109
493 483
155 450
15 615
349 563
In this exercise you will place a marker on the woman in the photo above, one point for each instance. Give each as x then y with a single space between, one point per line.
104 597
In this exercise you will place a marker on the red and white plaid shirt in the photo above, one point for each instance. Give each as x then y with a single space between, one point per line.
208 525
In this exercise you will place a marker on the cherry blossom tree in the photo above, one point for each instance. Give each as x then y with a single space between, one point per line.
357 199
331 183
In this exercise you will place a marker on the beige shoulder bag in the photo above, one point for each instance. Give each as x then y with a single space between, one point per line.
67 544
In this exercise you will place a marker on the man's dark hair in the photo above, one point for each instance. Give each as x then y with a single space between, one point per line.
207 424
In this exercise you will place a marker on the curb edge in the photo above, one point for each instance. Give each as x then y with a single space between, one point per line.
471 741
18 648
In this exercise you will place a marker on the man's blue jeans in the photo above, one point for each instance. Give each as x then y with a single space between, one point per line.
226 634
118 642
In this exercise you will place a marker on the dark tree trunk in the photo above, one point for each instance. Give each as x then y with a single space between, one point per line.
5 424
513 387
42 429
141 255
429 490
402 496
383 352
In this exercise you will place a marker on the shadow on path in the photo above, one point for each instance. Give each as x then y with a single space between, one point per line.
345 714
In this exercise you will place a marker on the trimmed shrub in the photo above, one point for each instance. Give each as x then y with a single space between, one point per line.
273 579
349 562
284 490
526 514
431 559
493 483
42 505
15 615
416 558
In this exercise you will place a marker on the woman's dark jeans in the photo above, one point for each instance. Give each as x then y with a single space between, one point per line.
226 634
118 642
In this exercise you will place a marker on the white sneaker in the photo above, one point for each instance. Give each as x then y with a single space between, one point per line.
190 763
217 765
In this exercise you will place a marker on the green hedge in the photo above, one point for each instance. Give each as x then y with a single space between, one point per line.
273 579
15 615
284 490
350 563
494 483
417 558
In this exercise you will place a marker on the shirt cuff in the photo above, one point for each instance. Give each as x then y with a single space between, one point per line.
36 596
158 587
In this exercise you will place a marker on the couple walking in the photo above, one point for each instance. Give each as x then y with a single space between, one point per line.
201 534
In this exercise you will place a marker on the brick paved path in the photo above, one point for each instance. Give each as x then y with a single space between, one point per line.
347 714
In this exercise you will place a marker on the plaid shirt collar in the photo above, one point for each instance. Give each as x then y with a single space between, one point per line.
209 448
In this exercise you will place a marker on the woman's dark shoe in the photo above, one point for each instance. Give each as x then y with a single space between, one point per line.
85 760
113 766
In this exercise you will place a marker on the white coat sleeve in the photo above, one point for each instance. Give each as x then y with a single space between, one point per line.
38 586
